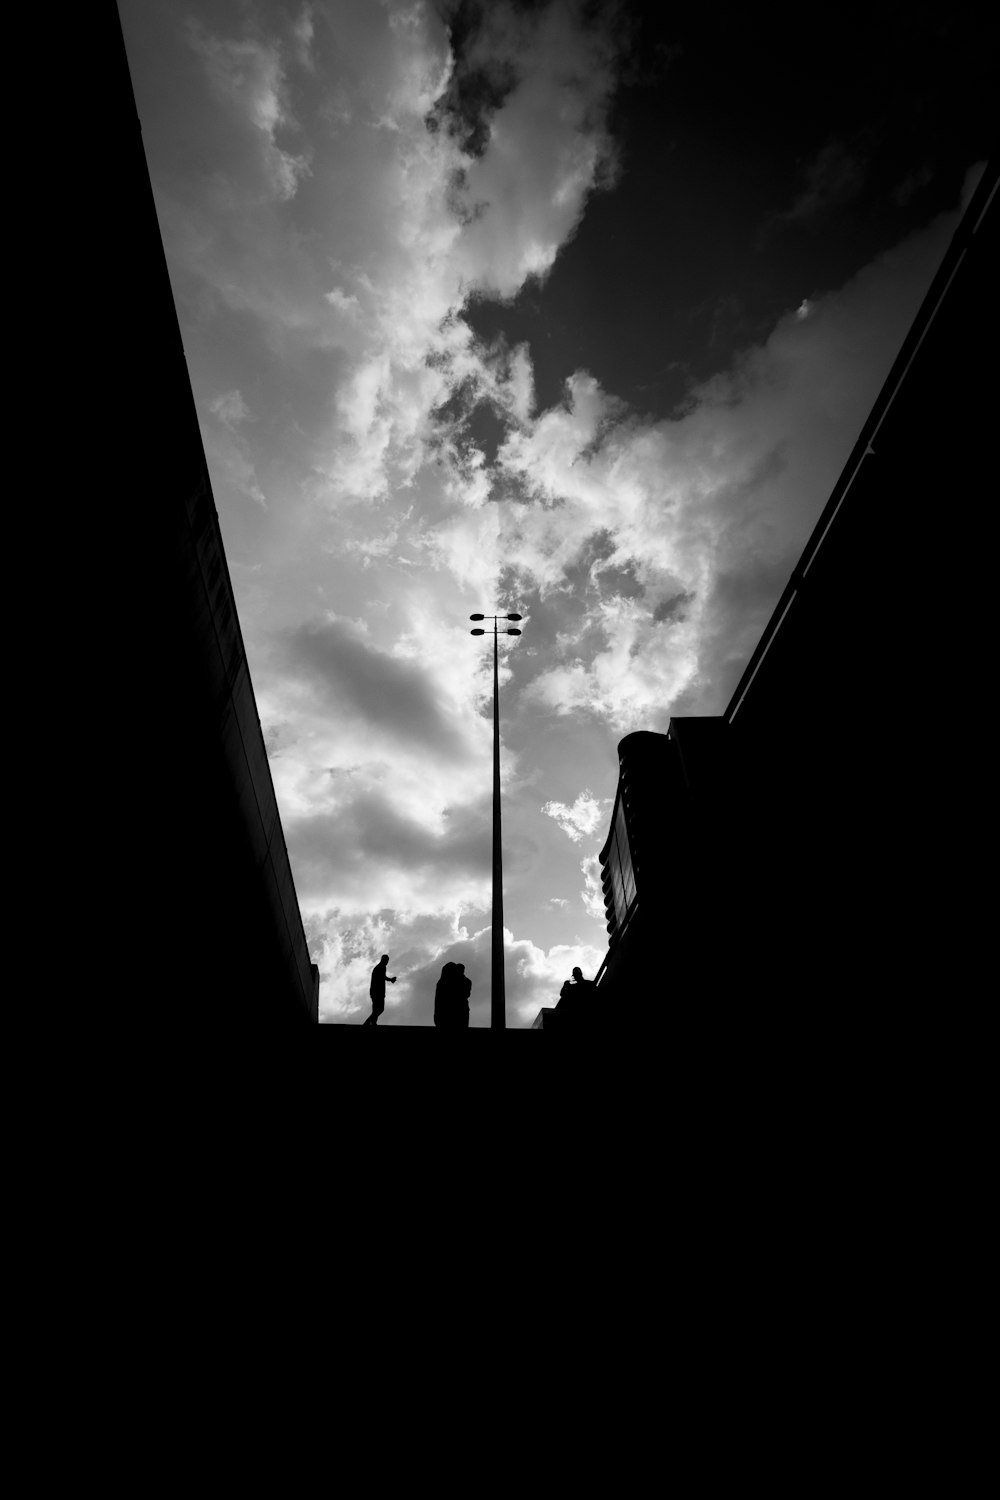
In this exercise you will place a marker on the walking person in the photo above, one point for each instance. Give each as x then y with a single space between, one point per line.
376 989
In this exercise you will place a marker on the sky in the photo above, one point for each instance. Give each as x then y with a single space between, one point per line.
569 309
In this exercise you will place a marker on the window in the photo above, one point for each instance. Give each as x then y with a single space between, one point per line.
623 892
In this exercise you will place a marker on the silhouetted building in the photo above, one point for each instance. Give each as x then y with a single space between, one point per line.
660 847
808 851
200 880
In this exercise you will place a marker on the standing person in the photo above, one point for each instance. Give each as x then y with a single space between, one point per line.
463 989
451 998
377 989
444 997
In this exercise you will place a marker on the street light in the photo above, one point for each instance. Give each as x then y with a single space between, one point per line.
498 998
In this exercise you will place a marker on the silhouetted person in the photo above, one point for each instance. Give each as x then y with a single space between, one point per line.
463 989
377 989
441 992
444 997
451 997
576 999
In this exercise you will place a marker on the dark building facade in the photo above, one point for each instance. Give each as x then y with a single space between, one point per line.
808 851
197 872
660 864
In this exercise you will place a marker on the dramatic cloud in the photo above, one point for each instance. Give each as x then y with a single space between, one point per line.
545 148
405 222
336 186
704 513
457 224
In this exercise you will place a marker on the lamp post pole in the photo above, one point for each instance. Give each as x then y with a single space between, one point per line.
498 995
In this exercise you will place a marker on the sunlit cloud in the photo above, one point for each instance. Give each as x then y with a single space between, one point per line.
584 816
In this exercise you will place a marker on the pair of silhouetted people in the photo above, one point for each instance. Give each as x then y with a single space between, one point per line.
377 989
576 998
451 997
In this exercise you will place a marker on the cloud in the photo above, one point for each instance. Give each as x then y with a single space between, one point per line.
829 179
323 243
456 224
365 851
344 302
248 75
583 817
380 757
546 147
303 32
704 513
231 409
404 222
592 894
910 185
228 448
391 695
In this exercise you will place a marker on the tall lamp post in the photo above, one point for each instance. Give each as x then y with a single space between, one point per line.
498 996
